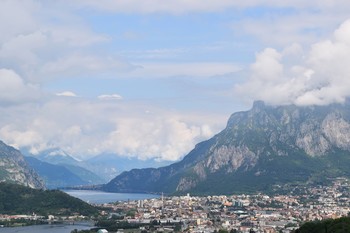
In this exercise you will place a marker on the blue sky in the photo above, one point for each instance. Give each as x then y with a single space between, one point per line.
150 79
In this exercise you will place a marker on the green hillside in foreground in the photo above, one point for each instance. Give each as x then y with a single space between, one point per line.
17 199
340 225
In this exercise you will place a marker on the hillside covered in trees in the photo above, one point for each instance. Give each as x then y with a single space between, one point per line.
340 225
17 199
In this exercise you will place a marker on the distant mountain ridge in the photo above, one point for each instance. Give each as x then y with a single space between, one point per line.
56 156
259 148
59 169
109 166
14 168
55 176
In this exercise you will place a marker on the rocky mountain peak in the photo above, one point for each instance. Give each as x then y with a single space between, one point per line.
14 169
258 105
260 147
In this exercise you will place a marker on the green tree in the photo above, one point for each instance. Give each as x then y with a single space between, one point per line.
223 231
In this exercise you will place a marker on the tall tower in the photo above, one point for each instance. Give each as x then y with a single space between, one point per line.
162 203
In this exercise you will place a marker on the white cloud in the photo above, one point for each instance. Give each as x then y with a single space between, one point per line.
67 94
154 6
19 138
274 29
42 55
79 64
321 77
164 138
16 17
180 6
110 97
14 90
46 40
75 36
267 66
42 41
22 48
85 128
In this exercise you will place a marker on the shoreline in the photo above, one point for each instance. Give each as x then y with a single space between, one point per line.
28 223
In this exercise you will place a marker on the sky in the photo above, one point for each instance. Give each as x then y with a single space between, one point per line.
150 79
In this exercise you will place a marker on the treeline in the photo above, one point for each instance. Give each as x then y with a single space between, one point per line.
339 225
17 199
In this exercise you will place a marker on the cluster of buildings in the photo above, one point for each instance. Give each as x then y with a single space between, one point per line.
241 213
6 217
23 219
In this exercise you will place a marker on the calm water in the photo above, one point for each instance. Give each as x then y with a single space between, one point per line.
98 197
47 228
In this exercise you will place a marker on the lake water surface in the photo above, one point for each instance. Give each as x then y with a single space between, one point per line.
47 228
99 197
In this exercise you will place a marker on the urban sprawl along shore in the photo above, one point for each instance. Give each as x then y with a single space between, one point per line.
240 213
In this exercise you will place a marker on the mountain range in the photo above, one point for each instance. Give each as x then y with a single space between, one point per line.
54 168
59 169
259 149
57 176
108 166
72 172
14 168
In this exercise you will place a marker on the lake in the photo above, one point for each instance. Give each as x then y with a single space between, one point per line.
99 197
47 228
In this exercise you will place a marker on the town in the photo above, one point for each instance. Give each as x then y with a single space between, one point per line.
284 211
237 213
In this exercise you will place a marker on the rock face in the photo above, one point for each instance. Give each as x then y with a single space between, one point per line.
264 146
14 169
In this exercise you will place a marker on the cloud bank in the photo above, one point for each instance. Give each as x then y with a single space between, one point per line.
319 76
181 7
14 90
45 45
85 128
